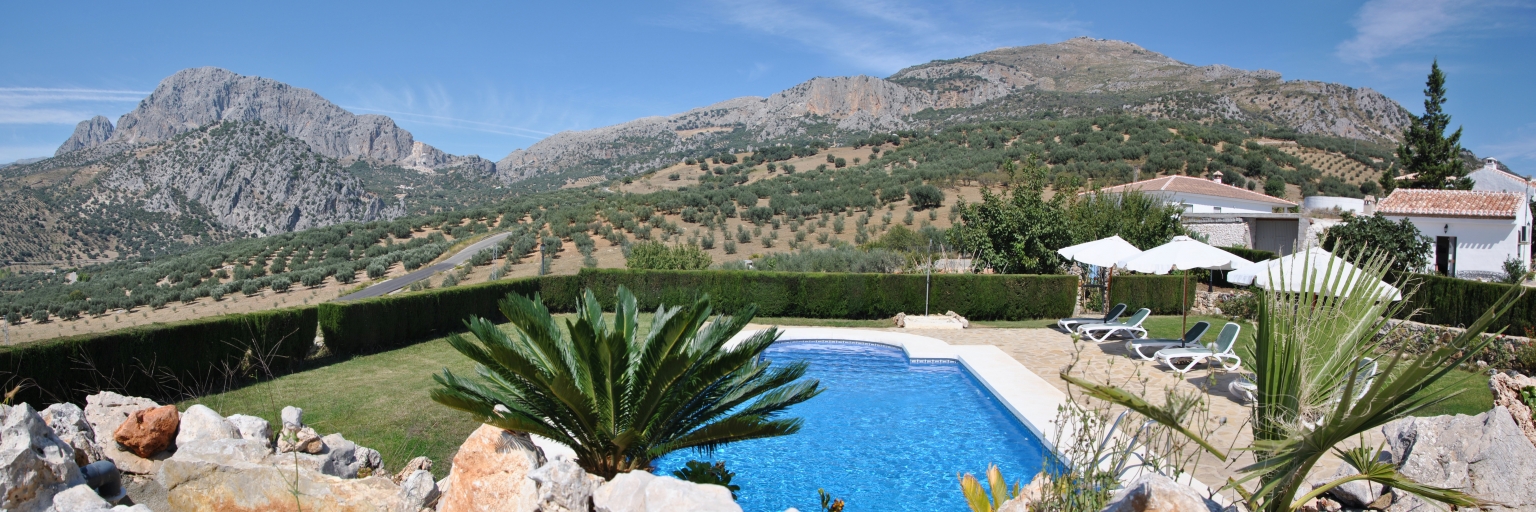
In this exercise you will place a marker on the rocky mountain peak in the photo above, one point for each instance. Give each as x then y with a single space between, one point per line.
196 97
89 133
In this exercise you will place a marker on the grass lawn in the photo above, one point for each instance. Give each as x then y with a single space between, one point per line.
380 400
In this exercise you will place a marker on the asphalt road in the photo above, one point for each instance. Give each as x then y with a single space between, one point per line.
425 272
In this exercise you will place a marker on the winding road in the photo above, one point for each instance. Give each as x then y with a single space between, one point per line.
397 283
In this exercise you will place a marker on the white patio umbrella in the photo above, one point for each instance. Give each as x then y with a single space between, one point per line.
1183 253
1104 252
1289 273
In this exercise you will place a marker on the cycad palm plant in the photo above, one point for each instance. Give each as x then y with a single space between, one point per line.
1305 363
618 399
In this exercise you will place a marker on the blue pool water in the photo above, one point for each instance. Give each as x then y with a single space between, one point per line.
886 435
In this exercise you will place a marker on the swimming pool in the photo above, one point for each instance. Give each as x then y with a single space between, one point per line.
887 434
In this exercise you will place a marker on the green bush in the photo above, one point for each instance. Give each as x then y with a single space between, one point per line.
1459 302
1253 255
655 255
1159 293
164 361
370 325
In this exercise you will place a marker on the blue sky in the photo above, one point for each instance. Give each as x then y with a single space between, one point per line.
487 78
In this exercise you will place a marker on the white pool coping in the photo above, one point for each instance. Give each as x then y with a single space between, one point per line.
1031 400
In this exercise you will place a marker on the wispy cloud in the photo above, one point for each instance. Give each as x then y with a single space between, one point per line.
44 105
884 36
1386 26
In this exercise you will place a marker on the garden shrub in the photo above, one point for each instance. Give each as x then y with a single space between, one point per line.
165 361
1159 293
1459 302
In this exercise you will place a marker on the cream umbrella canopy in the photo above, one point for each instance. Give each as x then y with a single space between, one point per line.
1104 252
1330 275
1182 253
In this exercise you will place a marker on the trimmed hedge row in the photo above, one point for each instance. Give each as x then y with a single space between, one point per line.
829 295
1253 255
370 325
1459 302
1159 293
165 361
374 324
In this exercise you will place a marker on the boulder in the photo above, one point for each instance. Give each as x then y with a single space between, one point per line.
304 440
237 474
417 492
199 423
147 432
81 498
1152 492
564 486
1356 494
252 428
293 418
639 491
421 463
105 412
1029 494
35 464
1506 393
490 473
1486 456
345 459
68 422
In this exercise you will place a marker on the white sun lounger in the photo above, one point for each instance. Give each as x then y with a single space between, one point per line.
1071 324
1145 348
1131 326
1221 353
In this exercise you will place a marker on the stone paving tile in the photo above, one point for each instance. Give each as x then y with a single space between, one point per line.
1047 351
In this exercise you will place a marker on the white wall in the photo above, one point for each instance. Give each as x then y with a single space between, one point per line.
1347 204
1209 204
1482 245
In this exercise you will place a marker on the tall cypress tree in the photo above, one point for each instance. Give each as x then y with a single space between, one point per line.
1426 150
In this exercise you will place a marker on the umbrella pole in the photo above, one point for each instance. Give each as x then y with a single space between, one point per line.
1184 302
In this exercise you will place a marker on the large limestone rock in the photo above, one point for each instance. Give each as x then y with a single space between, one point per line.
417 491
105 412
81 498
490 473
68 422
1506 394
89 133
34 463
346 459
244 475
1157 493
199 423
639 491
252 428
149 431
1357 494
564 486
1486 456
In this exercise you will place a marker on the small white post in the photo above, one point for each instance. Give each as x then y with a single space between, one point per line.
928 281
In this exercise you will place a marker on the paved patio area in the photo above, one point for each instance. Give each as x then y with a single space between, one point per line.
1047 351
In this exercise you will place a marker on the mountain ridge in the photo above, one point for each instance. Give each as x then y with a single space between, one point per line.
1012 82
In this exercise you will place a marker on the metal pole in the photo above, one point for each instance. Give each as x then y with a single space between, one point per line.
928 281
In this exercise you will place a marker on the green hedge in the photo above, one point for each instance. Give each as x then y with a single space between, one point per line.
839 295
370 325
1459 302
165 361
374 324
1253 255
1160 293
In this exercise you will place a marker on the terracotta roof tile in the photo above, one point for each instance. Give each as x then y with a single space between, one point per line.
1451 203
1204 187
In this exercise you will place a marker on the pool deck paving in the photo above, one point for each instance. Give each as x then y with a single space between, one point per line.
1045 352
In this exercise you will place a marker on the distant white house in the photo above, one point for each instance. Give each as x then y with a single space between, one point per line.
1474 231
1491 178
1227 215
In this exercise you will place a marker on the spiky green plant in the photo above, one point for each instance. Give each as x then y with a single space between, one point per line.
979 499
1305 365
618 399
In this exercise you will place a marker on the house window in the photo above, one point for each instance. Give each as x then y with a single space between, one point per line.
1216 209
1522 234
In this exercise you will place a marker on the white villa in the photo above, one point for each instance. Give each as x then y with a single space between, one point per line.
1474 231
1227 215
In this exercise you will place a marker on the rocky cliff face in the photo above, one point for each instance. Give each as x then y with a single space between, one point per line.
1080 76
250 177
89 133
193 98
